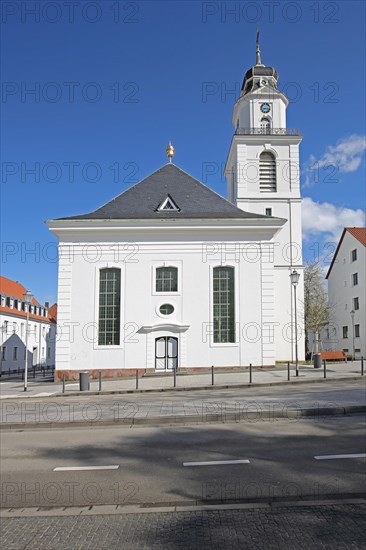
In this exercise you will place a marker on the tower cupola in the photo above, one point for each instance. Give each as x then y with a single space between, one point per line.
259 75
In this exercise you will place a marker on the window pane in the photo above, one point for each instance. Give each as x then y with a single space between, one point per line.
166 279
223 304
109 307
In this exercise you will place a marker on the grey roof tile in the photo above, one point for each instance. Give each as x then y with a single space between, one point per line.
193 198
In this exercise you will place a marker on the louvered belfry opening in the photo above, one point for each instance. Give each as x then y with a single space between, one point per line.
267 173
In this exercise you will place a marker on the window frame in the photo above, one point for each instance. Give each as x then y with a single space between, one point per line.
356 303
355 279
345 332
357 331
232 342
98 269
173 263
354 255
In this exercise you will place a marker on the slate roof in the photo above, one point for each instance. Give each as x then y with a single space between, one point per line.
193 198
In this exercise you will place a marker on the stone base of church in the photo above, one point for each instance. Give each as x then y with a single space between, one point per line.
129 373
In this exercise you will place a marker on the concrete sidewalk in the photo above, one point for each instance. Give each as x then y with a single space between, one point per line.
13 389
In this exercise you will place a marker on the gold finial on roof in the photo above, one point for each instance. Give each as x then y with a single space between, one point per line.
170 151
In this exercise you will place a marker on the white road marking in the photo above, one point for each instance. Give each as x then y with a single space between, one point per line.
332 457
80 468
216 462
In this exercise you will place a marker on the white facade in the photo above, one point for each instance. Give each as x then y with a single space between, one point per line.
195 251
41 333
346 291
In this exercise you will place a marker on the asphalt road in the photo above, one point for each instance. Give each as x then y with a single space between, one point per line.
148 463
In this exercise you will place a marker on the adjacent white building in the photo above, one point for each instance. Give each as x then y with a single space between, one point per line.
41 329
170 274
346 290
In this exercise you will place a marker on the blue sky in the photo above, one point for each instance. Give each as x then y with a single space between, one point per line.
114 81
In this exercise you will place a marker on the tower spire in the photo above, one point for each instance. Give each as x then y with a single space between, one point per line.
258 50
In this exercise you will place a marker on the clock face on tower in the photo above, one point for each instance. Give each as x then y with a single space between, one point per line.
265 108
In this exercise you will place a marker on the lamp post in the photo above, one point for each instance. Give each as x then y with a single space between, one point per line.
28 296
294 277
352 313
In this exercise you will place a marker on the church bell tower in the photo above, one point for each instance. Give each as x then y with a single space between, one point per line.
263 176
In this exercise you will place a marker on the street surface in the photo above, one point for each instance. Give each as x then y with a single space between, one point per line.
140 465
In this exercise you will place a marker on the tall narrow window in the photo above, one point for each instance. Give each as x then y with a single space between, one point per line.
167 279
109 307
267 173
356 303
223 304
266 125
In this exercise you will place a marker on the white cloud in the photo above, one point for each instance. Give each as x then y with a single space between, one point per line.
327 220
344 157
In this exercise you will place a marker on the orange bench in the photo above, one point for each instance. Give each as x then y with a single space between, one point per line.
333 355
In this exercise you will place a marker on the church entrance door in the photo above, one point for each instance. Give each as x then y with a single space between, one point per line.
166 353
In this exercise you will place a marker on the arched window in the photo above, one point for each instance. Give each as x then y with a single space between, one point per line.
166 279
267 173
266 125
223 304
109 307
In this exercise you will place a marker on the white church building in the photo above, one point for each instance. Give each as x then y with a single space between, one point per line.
169 274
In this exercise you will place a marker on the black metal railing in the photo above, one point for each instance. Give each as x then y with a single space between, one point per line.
267 131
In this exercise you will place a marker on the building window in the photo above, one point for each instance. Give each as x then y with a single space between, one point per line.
267 173
355 279
356 303
268 211
5 327
166 279
223 304
3 353
354 255
357 331
48 352
15 354
166 309
109 307
266 125
345 332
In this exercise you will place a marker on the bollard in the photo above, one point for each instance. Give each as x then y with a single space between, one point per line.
288 370
34 372
9 372
100 380
175 377
137 379
44 372
361 366
212 376
63 384
250 373
325 368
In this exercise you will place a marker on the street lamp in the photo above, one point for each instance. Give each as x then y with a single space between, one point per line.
28 297
352 313
294 277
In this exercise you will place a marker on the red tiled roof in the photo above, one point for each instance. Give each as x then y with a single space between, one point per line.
17 291
358 233
14 289
52 313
